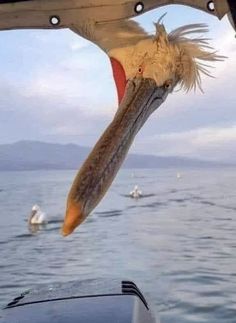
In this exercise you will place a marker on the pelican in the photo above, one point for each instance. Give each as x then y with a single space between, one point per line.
136 192
37 216
178 175
146 69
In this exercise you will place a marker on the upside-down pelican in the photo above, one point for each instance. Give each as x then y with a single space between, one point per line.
146 69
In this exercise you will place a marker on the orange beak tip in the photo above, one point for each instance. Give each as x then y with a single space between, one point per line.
66 231
73 218
64 234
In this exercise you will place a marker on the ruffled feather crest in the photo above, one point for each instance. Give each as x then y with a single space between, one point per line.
191 53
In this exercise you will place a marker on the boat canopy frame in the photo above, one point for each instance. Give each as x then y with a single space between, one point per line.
54 14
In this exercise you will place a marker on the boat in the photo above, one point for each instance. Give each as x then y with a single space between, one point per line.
66 13
89 301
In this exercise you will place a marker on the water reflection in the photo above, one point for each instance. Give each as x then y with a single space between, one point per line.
35 228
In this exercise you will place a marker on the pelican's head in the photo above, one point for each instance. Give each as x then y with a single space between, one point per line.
34 210
167 59
145 73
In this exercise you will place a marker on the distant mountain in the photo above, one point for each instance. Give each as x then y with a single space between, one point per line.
34 155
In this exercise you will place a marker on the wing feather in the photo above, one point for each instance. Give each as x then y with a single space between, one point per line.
112 35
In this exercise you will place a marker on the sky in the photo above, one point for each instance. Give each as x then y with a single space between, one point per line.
57 87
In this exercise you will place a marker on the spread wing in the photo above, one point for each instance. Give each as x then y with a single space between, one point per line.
111 35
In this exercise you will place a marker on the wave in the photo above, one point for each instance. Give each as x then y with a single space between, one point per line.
108 214
23 236
140 197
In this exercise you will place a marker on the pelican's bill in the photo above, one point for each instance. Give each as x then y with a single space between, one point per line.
142 97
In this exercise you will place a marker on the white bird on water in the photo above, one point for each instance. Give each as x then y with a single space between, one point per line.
136 192
146 68
37 216
178 175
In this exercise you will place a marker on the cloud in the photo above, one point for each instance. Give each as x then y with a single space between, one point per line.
46 115
79 43
210 143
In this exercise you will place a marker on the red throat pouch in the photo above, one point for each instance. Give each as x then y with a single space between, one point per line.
119 77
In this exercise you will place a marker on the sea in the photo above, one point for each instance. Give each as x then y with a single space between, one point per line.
177 243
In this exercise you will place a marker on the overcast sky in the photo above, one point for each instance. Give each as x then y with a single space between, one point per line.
58 87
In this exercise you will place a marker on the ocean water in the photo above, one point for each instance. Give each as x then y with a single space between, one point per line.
178 245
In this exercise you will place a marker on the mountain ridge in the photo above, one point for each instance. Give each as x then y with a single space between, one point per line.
38 155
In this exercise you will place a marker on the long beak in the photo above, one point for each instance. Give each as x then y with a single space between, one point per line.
141 98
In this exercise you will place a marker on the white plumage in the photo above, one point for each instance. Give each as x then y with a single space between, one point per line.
179 57
37 216
136 192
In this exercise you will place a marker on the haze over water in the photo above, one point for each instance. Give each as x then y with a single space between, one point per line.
178 245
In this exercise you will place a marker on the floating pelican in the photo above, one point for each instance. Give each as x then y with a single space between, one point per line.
37 216
146 68
136 193
178 175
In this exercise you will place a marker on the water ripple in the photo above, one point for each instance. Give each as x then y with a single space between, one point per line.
178 245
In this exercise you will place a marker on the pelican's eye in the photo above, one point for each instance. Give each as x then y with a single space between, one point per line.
140 70
168 84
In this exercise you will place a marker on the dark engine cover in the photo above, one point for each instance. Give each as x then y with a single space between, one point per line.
90 301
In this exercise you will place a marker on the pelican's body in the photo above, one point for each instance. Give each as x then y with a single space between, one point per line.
37 216
136 192
146 68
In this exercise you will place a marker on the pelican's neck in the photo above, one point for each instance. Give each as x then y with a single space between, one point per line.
32 215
